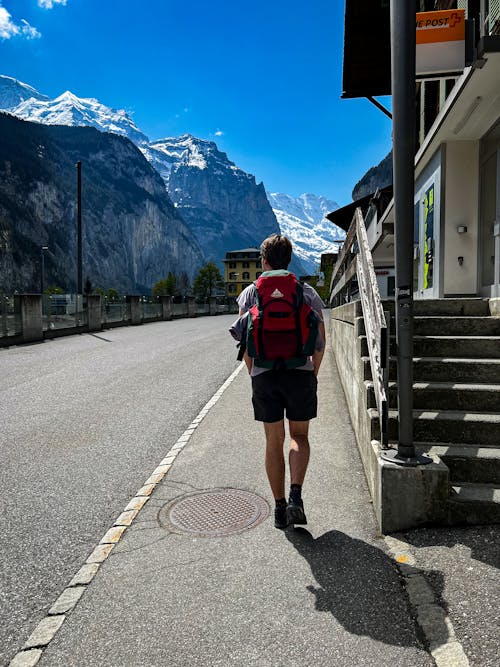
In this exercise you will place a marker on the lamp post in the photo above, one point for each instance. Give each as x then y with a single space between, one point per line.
79 272
42 272
403 112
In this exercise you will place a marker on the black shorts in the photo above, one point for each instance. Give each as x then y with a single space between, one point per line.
290 391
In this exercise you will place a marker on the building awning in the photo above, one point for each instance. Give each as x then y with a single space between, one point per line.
367 49
342 217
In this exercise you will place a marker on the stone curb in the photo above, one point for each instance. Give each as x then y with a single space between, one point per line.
430 616
46 630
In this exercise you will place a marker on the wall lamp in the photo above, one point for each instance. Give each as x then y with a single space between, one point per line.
462 229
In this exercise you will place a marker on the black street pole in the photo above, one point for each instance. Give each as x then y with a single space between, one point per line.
79 287
42 270
403 44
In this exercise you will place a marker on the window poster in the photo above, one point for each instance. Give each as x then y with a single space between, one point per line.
429 237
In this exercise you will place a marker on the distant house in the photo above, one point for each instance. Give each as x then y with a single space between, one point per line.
241 268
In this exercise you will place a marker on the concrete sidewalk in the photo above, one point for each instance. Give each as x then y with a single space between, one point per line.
328 594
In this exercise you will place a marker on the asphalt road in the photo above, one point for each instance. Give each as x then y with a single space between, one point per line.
84 421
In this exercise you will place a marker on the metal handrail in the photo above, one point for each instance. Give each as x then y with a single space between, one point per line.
356 260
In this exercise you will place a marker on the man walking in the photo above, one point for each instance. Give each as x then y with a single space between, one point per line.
279 392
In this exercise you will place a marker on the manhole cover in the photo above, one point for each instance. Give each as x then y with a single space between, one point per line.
214 513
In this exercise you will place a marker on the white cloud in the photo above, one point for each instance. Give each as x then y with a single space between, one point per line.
48 4
8 29
219 133
29 31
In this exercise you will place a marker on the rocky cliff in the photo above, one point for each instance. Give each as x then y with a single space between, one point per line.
132 233
223 205
376 177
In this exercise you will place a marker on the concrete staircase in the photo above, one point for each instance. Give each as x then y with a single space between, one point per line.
456 400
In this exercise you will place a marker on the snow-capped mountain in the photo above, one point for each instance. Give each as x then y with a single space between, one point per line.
13 92
68 109
172 153
223 204
303 220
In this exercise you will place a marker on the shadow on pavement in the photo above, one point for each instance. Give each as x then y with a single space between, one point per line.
359 584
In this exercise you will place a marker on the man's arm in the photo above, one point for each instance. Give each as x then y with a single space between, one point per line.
317 356
248 361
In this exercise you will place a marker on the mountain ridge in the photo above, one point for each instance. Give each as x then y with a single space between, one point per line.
303 219
225 208
133 234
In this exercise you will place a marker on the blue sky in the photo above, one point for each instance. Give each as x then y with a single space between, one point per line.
261 78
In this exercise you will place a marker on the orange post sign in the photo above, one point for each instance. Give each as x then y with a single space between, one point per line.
440 42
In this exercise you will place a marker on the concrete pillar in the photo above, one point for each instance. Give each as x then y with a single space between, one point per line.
29 307
94 313
212 305
134 304
166 304
191 307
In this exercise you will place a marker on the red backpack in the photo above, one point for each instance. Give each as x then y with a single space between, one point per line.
282 328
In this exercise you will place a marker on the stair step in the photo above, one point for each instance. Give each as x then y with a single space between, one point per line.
446 396
453 307
474 504
456 325
447 426
475 306
448 369
467 463
478 347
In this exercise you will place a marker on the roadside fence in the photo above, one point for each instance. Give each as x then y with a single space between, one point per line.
26 318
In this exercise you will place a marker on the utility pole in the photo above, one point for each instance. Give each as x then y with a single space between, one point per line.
79 281
403 45
42 271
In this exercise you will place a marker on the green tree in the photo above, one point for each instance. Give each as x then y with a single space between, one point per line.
207 281
167 286
54 289
111 294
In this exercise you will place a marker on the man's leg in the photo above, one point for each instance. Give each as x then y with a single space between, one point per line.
298 458
275 460
299 451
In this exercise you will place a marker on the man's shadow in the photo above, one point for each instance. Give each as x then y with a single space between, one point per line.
360 586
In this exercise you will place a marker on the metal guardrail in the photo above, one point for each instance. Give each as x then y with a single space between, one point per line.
355 263
152 310
25 318
62 312
10 321
113 312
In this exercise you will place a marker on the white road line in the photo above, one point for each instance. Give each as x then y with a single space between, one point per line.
46 630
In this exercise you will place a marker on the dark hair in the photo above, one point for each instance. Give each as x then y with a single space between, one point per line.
277 251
